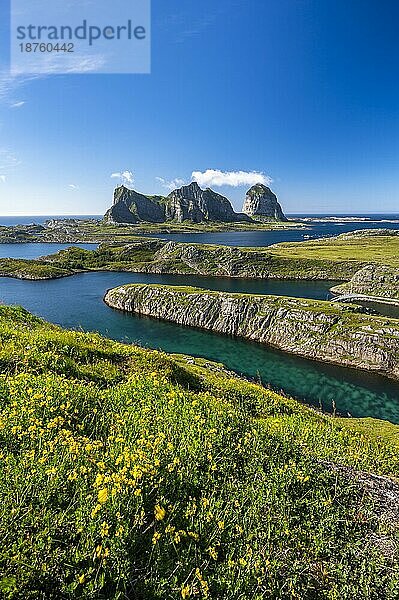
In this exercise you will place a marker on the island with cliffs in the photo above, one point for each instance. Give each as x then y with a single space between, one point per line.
192 203
188 209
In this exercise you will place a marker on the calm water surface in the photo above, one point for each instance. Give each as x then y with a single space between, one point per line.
77 302
387 310
315 229
7 221
33 251
267 238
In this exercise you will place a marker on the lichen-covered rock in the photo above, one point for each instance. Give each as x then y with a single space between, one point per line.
227 261
373 280
310 328
261 202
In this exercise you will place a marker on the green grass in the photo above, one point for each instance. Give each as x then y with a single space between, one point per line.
336 259
31 269
365 249
185 259
128 473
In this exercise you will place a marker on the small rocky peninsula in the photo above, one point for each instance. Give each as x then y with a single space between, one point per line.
313 329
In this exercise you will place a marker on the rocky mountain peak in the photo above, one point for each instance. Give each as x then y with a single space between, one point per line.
191 191
261 202
188 203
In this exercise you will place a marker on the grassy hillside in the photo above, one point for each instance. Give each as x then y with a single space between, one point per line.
200 259
364 247
127 473
31 269
333 258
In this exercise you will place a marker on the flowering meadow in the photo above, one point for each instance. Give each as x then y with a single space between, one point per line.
130 474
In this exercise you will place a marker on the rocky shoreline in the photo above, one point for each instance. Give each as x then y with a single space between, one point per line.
175 258
76 231
313 329
378 281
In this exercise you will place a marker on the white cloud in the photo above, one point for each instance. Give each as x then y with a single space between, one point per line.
9 84
44 67
217 178
2 178
17 104
171 185
73 186
125 177
53 64
8 160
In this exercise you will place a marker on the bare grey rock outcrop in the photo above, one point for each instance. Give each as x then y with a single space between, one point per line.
230 261
373 280
192 203
309 328
261 203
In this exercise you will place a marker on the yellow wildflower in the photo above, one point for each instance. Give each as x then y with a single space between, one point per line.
177 537
95 510
81 578
185 592
119 531
104 529
204 584
156 537
103 495
239 529
99 479
159 512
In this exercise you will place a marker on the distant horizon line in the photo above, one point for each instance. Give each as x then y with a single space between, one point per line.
325 214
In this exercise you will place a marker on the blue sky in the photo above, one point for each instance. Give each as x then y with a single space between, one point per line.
305 92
